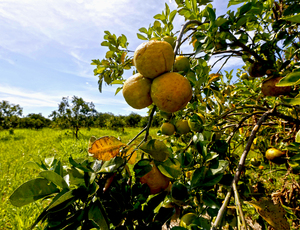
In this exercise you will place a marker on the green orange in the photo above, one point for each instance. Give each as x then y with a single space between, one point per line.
181 64
182 127
167 128
134 96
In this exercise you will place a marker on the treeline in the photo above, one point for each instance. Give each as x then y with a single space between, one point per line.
71 114
100 120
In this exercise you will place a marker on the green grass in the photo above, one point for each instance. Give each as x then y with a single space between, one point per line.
35 145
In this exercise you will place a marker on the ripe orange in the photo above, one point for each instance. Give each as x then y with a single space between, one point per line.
167 129
133 94
181 64
275 155
153 58
182 127
269 88
171 92
156 181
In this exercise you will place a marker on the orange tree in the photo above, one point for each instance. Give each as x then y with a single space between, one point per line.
212 172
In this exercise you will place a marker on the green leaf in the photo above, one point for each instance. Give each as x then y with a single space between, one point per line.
142 167
220 21
198 176
96 215
172 15
211 180
31 191
219 167
118 90
210 200
54 178
118 82
105 43
235 2
32 165
109 54
142 37
111 165
245 8
143 30
156 148
79 166
290 79
294 18
211 13
67 196
242 21
297 138
170 168
292 101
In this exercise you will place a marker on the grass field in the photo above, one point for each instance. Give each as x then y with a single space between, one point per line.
35 145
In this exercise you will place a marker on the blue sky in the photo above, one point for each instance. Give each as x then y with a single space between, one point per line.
46 48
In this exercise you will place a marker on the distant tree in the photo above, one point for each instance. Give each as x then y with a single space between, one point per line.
9 115
35 121
101 119
74 115
133 119
116 123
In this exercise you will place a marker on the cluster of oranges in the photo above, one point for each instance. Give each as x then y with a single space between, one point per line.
154 82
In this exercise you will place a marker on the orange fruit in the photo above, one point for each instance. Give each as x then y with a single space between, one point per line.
269 88
170 40
153 58
257 70
134 96
156 181
181 64
255 162
187 219
275 155
167 129
171 92
182 127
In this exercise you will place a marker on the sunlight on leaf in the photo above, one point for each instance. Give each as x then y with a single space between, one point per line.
107 147
274 214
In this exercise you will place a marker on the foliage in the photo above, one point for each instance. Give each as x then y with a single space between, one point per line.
235 122
74 115
9 115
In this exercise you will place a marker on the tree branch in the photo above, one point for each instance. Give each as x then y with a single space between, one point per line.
178 41
240 167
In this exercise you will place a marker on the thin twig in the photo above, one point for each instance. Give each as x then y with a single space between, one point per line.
240 167
178 41
238 204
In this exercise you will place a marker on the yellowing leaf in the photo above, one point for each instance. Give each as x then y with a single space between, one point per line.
105 148
274 214
131 155
123 57
214 77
